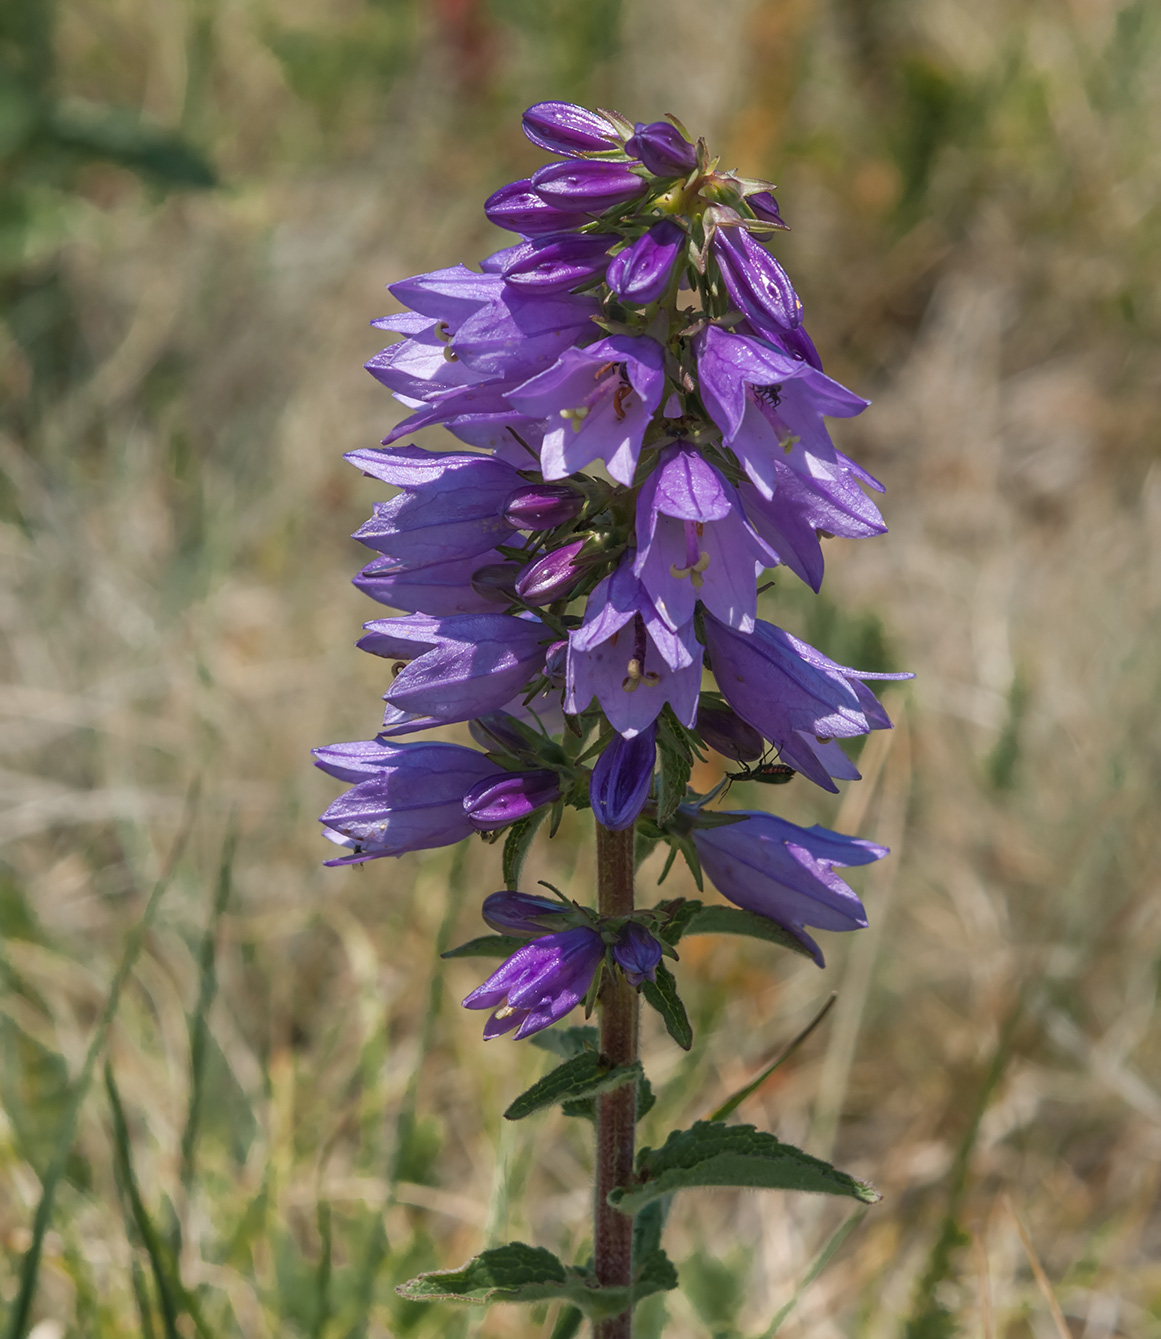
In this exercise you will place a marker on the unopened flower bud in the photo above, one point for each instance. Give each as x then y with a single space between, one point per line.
552 576
522 913
496 581
563 127
663 149
497 801
518 208
637 954
555 263
542 506
590 185
766 208
620 782
641 272
556 664
723 730
758 286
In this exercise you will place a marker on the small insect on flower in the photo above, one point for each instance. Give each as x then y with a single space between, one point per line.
768 773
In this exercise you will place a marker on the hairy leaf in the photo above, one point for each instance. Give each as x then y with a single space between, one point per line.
712 1154
583 1076
662 995
586 1107
734 921
516 847
521 1273
566 1041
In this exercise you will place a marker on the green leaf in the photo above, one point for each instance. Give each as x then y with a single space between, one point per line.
521 1273
583 1076
568 1323
486 946
680 914
516 847
662 995
734 921
711 1154
567 1041
674 773
116 135
586 1107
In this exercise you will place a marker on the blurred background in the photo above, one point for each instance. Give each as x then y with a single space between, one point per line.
279 1114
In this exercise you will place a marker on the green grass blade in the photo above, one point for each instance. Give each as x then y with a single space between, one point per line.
732 1103
824 1257
30 1265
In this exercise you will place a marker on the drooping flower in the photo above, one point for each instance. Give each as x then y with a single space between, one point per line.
518 208
786 872
540 983
407 797
589 185
796 697
695 543
758 286
559 262
563 127
596 403
523 914
441 588
626 656
461 666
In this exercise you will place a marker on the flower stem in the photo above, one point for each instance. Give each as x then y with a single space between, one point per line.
616 1110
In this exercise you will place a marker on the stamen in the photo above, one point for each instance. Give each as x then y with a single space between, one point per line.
506 1011
632 681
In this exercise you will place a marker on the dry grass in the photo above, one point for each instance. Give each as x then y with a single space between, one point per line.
973 189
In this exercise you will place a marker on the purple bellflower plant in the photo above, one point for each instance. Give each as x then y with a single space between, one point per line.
640 425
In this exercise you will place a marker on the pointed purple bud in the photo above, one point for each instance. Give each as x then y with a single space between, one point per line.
766 208
522 913
556 665
641 272
559 262
541 982
500 800
563 127
589 185
518 208
725 731
663 149
552 576
543 506
637 954
496 581
758 286
620 782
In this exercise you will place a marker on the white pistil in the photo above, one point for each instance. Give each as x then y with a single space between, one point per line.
577 415
638 676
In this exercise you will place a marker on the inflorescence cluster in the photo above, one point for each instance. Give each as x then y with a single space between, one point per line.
644 416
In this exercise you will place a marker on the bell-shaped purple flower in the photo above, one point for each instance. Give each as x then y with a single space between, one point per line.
695 543
552 576
589 185
523 914
795 696
758 286
786 873
619 785
543 506
637 954
408 797
540 983
462 666
497 801
724 730
641 272
521 333
518 208
451 506
440 589
561 261
663 149
563 127
596 403
626 656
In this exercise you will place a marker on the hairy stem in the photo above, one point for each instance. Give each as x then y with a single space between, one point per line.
616 1110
